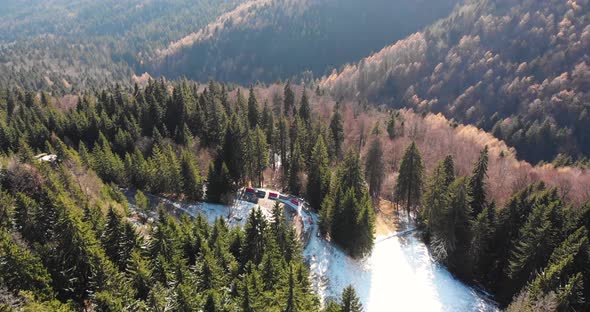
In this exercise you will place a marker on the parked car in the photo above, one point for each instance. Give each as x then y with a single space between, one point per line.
260 194
273 196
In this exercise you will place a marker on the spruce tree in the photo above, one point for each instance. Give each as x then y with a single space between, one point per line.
254 240
305 109
295 167
253 115
218 181
375 168
350 301
477 183
318 178
192 181
283 145
436 198
233 148
409 182
337 134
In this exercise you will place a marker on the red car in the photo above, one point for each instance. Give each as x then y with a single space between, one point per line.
250 190
295 202
273 195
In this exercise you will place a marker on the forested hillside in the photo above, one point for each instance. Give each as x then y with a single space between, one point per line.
268 40
171 139
516 68
64 45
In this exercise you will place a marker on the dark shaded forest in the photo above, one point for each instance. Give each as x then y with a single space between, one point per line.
273 40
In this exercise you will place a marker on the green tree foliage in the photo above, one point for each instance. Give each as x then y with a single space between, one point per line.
192 181
319 176
305 109
218 181
336 134
253 115
477 183
294 184
375 168
350 301
410 180
347 212
20 270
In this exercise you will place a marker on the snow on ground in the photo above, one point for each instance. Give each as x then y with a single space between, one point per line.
399 275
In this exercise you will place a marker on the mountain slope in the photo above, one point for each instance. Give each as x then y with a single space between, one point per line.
516 68
64 45
276 39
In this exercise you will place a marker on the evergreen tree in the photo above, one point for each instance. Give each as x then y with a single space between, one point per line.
294 184
253 115
409 181
258 155
192 182
337 134
305 109
141 202
111 238
375 168
233 149
318 181
210 303
477 183
283 145
350 301
436 198
254 240
347 212
218 181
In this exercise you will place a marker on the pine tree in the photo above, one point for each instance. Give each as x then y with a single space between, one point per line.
218 181
318 182
337 134
233 149
141 275
409 181
537 238
258 155
477 183
111 238
253 115
375 168
22 270
210 304
305 109
283 145
295 167
436 198
291 305
254 240
350 301
347 212
192 181
141 202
